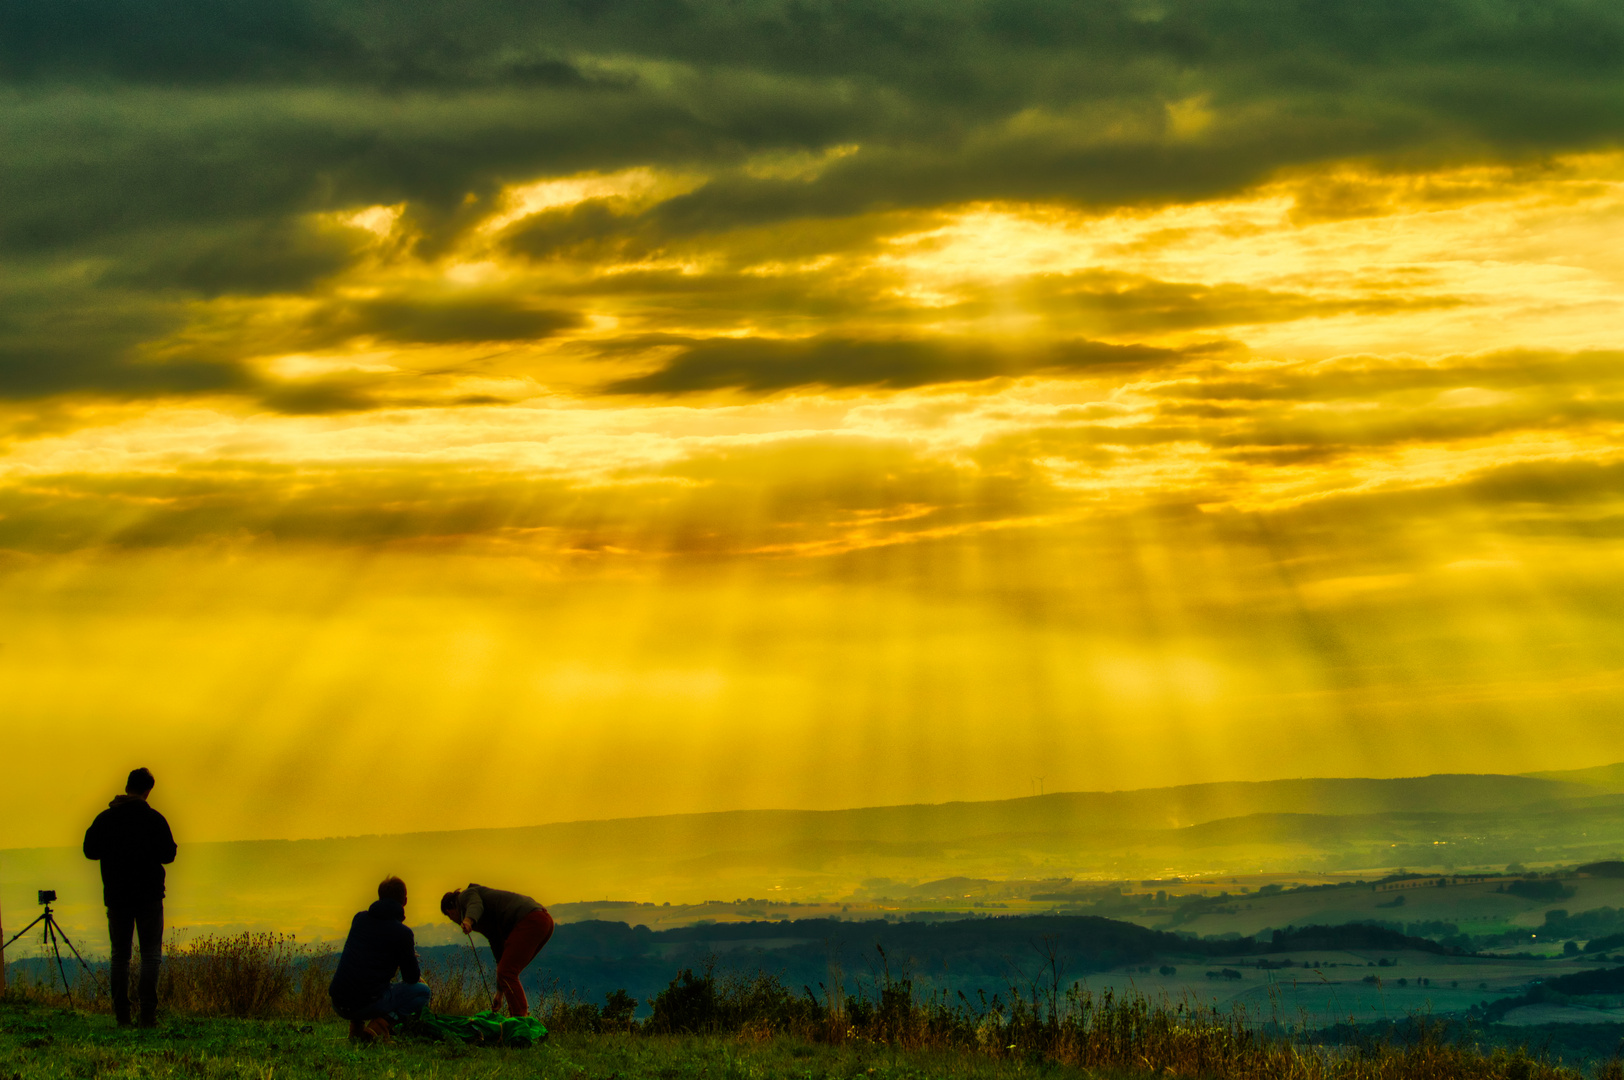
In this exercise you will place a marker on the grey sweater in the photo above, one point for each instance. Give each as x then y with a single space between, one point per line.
495 912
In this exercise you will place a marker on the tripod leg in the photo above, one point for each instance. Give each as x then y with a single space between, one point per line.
50 935
21 932
69 943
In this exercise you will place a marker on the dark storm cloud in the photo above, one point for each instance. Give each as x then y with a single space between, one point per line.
1122 302
250 259
1003 98
182 146
205 43
436 320
594 228
44 369
319 397
62 337
764 365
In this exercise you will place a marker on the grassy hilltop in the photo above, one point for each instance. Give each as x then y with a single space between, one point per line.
240 1008
235 1048
36 1045
831 999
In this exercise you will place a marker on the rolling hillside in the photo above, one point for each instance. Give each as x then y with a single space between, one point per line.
310 886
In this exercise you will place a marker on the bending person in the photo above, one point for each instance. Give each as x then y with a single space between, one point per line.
516 926
380 943
133 843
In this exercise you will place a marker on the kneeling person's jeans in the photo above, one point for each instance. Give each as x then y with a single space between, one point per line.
146 923
400 1003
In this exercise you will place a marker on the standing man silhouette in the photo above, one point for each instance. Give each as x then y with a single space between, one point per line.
133 842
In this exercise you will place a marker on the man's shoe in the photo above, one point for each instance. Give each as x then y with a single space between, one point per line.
149 1020
379 1030
358 1032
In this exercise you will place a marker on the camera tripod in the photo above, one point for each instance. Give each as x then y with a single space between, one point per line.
52 934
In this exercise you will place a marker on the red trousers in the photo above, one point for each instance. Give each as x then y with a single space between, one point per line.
521 947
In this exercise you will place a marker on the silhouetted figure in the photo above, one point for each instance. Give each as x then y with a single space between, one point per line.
380 943
133 842
516 926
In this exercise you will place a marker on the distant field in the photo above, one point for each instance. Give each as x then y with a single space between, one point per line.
1318 986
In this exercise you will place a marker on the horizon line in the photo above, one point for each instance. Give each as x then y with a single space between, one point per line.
1543 775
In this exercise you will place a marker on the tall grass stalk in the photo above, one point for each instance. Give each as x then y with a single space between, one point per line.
455 981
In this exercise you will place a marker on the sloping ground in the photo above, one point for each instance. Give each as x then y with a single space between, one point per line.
1605 777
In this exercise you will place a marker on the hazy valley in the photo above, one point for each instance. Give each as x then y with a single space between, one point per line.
1058 852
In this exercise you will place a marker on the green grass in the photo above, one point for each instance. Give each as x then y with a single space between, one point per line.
50 1044
752 1028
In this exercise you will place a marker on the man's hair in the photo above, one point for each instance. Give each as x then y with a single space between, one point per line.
448 902
392 888
140 781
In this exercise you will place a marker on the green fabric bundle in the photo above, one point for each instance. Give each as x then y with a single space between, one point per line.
482 1029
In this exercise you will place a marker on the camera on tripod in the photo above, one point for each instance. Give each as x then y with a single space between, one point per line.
52 934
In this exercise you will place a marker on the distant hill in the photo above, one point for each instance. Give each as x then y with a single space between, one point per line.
986 955
1605 777
966 955
311 886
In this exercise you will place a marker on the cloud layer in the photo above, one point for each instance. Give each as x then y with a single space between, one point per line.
156 158
1050 386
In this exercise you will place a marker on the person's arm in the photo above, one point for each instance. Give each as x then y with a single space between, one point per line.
95 841
473 905
165 841
410 970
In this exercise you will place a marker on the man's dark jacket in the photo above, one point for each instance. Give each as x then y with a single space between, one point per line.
379 942
133 842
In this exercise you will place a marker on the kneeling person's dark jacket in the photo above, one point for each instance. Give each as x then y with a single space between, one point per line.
379 943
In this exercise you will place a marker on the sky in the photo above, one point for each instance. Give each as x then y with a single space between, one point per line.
441 416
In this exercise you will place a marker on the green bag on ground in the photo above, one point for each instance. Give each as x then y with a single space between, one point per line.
482 1029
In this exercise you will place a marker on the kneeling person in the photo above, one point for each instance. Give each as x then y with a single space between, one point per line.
380 943
516 926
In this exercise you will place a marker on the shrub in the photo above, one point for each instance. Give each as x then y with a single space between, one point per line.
618 1009
1538 889
566 1012
687 1005
242 975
